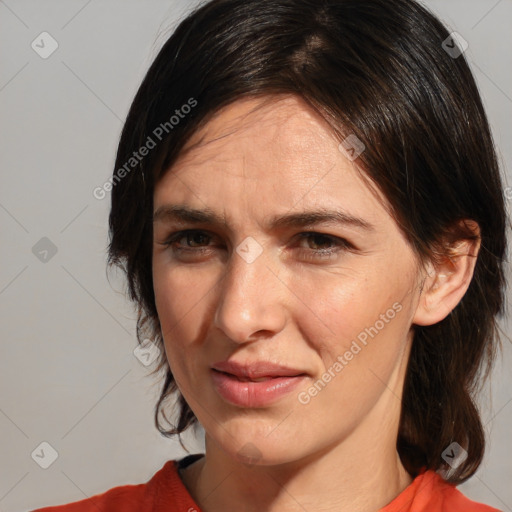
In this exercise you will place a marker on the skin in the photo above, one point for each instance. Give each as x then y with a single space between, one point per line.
292 306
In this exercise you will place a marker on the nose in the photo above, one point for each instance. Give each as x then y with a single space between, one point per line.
251 300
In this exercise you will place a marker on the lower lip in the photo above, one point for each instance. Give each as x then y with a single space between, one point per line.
253 394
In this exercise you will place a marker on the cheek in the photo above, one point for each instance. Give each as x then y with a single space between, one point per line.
363 318
360 358
345 302
179 291
181 298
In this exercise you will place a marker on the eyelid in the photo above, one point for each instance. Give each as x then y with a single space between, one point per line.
176 235
336 238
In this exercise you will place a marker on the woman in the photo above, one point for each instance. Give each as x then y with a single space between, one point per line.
308 208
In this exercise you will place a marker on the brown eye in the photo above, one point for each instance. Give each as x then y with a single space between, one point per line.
322 242
322 246
318 239
190 238
193 237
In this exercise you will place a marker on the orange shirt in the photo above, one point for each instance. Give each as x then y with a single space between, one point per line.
165 492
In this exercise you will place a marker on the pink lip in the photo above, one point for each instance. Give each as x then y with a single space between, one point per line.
236 382
256 370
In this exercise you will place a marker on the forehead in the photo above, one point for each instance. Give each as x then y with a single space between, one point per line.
285 122
278 149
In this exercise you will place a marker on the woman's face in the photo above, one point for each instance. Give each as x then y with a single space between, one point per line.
292 270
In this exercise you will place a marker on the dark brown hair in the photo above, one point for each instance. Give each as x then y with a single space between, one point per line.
377 69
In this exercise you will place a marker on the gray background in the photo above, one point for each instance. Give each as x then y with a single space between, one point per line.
68 375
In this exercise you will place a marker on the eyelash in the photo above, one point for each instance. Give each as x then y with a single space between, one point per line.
314 254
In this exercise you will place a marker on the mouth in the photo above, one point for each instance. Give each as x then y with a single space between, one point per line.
242 378
256 371
256 385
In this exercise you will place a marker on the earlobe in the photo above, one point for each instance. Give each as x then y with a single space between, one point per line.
444 284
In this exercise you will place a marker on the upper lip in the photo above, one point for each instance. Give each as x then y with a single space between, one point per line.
256 370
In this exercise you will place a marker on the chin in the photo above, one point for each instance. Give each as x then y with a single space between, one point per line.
260 450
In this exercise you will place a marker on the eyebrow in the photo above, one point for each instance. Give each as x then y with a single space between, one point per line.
185 214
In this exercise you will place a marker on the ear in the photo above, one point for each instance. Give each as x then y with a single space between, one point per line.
445 282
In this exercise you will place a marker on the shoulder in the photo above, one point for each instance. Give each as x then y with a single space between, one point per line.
429 491
453 499
163 489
